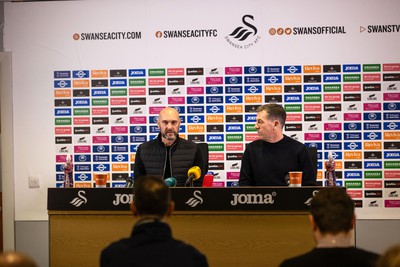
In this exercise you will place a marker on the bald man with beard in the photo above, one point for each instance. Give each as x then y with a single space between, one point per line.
168 155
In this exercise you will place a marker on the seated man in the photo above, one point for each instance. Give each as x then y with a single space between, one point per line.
151 242
332 219
168 155
268 160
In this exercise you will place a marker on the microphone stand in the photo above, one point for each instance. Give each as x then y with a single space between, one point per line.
189 182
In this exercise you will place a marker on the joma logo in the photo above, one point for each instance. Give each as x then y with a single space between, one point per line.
122 199
250 199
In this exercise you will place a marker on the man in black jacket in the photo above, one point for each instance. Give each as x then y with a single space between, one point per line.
151 242
332 219
268 160
168 155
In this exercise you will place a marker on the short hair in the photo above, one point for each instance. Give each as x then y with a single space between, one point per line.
151 196
333 210
390 258
274 112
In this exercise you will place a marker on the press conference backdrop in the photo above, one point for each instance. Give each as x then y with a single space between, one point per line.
90 78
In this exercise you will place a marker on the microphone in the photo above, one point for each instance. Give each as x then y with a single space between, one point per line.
171 181
208 179
194 173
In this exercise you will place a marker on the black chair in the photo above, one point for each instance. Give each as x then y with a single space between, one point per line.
204 151
313 152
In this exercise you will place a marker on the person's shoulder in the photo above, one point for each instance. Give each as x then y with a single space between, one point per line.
197 256
298 261
254 146
187 248
363 257
316 257
255 143
185 253
365 253
289 139
116 246
293 142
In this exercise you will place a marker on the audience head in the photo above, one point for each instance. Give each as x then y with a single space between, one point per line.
332 211
152 198
16 259
390 258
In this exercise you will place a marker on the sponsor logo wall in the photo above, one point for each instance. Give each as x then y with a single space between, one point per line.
102 84
353 110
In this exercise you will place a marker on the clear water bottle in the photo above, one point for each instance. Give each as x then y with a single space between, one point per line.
330 176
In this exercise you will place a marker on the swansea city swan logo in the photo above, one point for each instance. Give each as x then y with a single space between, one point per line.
80 199
195 200
244 36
